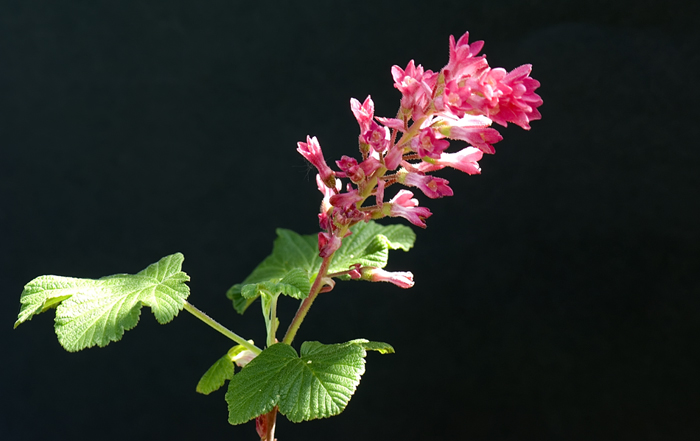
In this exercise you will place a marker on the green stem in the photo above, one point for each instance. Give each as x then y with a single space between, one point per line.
222 329
306 303
272 328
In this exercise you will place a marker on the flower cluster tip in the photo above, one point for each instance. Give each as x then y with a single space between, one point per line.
460 102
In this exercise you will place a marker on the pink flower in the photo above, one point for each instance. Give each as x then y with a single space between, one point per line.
481 138
470 128
463 60
517 101
327 193
346 200
393 157
350 169
464 160
346 211
311 150
398 278
431 186
393 123
416 86
465 96
375 136
370 165
427 144
354 271
364 113
324 221
328 244
403 205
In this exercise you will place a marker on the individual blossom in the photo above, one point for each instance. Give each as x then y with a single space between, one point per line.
328 243
393 123
473 129
346 200
405 206
426 143
431 186
311 150
346 211
463 61
465 160
364 113
463 97
354 271
416 87
402 279
327 193
350 169
376 136
370 165
393 157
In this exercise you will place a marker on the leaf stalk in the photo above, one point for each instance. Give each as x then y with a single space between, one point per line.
221 328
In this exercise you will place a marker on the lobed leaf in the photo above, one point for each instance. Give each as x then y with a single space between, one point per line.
290 251
369 245
294 261
318 383
93 312
294 284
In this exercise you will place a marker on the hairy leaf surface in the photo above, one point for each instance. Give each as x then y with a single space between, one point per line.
317 383
93 312
295 258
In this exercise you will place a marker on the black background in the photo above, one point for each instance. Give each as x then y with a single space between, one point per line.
556 295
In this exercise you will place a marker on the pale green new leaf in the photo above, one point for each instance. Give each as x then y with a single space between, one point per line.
221 370
368 245
95 312
216 375
318 383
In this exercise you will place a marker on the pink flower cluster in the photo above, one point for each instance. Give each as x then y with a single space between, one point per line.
457 103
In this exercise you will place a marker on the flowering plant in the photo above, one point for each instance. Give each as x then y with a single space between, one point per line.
460 102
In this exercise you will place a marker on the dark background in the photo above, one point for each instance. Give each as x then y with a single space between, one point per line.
556 295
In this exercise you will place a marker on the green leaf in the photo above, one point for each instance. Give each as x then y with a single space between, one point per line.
294 284
294 261
216 375
316 384
95 312
369 245
290 251
221 370
382 348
